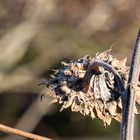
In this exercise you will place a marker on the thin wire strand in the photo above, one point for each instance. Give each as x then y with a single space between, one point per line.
127 127
9 130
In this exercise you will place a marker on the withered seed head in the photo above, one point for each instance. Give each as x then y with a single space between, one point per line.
98 99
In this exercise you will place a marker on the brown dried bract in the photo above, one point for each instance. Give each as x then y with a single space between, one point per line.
98 99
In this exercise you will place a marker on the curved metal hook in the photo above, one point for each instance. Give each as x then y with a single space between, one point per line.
94 68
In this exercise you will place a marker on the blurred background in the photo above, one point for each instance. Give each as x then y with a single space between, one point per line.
35 36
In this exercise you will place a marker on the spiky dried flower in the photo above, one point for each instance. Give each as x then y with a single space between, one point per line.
96 95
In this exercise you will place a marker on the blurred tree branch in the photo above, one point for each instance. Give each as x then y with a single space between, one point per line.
11 53
20 36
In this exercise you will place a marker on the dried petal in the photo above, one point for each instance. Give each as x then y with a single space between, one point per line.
98 99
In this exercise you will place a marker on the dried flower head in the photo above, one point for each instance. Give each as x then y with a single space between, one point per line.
95 93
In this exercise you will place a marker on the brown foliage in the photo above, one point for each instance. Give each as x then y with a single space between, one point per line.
97 96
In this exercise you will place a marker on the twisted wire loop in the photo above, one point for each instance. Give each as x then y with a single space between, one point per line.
94 67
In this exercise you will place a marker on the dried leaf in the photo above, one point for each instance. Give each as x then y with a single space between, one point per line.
101 98
54 101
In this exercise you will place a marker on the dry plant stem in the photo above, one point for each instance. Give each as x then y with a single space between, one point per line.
128 113
10 130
